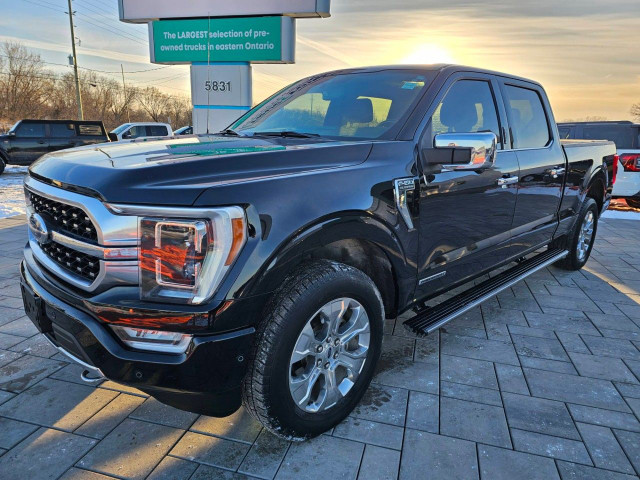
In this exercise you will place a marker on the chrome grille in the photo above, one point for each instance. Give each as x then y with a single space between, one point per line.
66 217
80 264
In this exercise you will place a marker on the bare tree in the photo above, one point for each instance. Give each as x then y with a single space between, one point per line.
154 102
635 111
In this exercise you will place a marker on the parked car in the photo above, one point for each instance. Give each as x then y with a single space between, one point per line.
257 266
28 140
130 131
188 130
626 136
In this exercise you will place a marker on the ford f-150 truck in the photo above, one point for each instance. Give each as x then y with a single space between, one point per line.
256 266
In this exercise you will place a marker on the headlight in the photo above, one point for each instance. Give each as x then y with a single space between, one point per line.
184 260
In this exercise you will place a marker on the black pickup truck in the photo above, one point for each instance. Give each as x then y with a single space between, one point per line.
256 266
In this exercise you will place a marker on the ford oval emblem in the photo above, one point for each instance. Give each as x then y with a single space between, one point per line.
38 227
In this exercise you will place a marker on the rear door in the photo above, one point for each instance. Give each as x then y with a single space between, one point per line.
465 216
542 165
29 143
61 136
157 131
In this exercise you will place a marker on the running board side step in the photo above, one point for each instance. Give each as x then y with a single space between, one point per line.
430 319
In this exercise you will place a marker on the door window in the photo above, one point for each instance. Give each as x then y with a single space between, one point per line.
621 135
468 106
62 130
136 131
90 130
30 130
157 131
529 123
565 132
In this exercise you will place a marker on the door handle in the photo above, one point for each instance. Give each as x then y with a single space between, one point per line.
506 181
555 172
41 142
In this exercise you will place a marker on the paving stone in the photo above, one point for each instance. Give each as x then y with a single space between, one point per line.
612 322
379 464
477 373
621 334
132 450
539 415
383 404
408 374
502 316
441 458
57 404
118 387
239 426
548 446
70 373
602 367
205 472
575 323
423 412
302 459
574 471
628 390
265 456
611 347
100 424
606 418
511 379
565 291
549 365
427 349
6 357
154 411
498 331
634 403
8 315
7 341
501 464
573 389
634 365
13 432
471 394
479 349
632 310
171 468
604 448
394 348
79 474
572 342
22 327
37 345
524 304
26 371
213 451
5 396
45 454
374 433
474 421
547 348
630 442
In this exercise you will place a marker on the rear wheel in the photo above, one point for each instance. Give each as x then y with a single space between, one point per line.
633 202
316 350
581 239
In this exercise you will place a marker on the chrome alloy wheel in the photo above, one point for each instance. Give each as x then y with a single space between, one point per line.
329 355
585 236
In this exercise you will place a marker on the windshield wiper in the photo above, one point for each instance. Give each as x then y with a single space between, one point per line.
229 131
286 133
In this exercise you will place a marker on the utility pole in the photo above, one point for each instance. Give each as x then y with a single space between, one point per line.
124 88
75 63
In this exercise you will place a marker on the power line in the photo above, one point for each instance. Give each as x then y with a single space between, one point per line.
110 19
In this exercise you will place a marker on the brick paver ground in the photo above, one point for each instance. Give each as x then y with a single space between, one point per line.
541 382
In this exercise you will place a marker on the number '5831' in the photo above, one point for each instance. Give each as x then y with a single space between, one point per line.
215 86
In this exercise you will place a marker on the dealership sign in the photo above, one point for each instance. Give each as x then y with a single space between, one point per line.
143 11
249 39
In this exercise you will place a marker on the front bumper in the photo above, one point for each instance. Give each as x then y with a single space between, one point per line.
206 379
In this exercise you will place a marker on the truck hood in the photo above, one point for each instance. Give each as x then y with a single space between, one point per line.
176 171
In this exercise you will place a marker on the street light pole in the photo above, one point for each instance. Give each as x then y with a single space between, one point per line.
124 89
75 63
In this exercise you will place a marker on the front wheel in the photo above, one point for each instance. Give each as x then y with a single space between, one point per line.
316 350
633 202
581 238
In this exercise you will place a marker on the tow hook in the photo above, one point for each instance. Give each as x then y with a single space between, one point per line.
90 377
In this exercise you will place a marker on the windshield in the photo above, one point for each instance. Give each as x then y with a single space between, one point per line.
121 128
13 129
352 105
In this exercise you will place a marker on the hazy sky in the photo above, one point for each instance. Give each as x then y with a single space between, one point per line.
585 52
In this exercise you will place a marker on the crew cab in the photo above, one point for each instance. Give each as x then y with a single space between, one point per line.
130 131
28 140
256 266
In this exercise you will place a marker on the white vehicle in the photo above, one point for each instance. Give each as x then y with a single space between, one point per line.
129 131
626 136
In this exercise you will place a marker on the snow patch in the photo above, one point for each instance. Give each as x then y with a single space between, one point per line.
11 191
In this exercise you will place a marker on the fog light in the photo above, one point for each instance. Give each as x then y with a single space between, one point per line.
153 340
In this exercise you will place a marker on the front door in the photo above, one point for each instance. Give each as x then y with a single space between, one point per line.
542 167
29 143
465 216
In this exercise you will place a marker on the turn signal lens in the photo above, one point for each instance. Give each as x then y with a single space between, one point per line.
616 159
630 162
153 340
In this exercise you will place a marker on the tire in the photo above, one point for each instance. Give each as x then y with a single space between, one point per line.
3 164
633 202
579 251
274 372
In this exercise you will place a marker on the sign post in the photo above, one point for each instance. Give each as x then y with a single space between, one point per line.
220 40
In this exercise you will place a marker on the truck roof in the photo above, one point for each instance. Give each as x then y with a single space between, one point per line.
603 122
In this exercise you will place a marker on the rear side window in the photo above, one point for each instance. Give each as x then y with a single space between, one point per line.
62 130
624 136
565 132
528 120
95 130
157 131
30 130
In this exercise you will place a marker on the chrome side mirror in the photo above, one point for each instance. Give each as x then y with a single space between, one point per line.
469 151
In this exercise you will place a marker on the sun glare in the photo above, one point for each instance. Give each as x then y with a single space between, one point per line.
428 53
